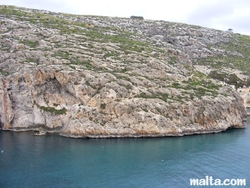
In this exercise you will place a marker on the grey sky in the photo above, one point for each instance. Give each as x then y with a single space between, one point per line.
218 14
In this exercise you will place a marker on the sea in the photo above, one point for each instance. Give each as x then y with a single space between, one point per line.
53 161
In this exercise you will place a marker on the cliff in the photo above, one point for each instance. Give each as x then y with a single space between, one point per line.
86 76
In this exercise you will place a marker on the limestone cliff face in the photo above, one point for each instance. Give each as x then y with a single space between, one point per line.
66 102
81 78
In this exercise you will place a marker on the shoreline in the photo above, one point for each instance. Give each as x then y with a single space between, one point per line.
110 136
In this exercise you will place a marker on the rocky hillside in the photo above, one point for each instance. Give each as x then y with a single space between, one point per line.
88 76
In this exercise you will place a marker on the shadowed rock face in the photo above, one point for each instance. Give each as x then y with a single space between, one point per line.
110 77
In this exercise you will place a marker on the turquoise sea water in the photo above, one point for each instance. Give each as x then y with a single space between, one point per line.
54 161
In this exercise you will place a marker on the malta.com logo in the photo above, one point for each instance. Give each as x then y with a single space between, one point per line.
210 181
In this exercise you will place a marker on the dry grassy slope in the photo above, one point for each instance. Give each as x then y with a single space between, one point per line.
102 77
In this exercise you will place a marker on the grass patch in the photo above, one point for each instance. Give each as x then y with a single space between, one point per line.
231 79
31 44
53 110
4 73
150 95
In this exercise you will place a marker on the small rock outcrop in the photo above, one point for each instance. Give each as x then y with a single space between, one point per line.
98 77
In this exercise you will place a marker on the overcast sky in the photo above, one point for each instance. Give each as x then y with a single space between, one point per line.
217 14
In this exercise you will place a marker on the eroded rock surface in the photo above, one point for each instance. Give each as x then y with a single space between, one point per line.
86 76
